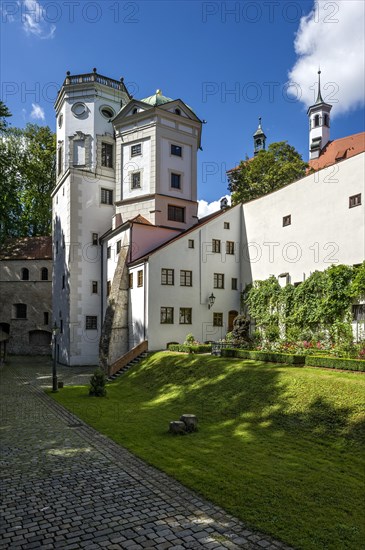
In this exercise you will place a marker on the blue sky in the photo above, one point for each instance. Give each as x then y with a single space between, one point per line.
230 61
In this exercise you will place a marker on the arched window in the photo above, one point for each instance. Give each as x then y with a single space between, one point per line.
316 121
177 111
25 274
44 274
135 111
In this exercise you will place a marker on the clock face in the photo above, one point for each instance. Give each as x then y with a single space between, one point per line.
78 109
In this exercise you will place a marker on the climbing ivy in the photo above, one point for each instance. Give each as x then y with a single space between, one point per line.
321 304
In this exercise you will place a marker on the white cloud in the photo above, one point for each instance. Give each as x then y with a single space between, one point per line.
37 112
331 36
205 208
32 17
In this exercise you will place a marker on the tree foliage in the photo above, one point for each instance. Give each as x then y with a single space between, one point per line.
270 170
4 114
27 177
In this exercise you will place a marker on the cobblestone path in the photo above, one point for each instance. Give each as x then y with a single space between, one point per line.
64 485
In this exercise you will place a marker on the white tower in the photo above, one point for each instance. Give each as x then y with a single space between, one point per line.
319 124
83 205
157 141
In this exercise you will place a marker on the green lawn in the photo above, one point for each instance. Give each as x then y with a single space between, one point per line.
280 447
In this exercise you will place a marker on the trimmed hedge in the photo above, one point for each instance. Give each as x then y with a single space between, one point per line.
200 348
335 363
266 356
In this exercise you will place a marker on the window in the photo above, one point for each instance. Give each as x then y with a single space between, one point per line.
108 287
191 243
176 150
355 200
216 246
107 155
25 274
136 180
108 252
176 213
358 312
178 112
176 181
234 284
135 111
91 322
167 276
185 316
286 220
140 278
218 280
44 274
229 247
20 311
59 160
94 287
56 247
316 121
95 239
63 241
136 150
45 318
186 278
217 319
131 280
326 120
61 326
226 225
119 246
107 112
167 315
106 196
63 281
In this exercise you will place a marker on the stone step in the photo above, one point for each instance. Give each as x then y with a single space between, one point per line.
128 366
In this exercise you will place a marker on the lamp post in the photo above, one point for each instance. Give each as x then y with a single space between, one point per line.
55 331
211 301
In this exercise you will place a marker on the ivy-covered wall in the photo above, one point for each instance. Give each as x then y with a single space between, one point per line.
320 307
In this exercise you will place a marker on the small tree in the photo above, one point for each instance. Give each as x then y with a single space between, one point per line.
97 384
268 171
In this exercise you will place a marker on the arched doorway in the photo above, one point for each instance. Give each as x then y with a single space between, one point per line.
231 317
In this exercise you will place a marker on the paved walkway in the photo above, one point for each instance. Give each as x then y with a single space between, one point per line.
64 485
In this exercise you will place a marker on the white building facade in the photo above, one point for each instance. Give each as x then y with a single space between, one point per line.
132 261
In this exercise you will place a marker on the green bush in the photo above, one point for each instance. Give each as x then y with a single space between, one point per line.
267 356
198 348
335 363
97 384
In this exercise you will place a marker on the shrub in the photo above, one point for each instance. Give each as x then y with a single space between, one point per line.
197 348
335 363
189 340
268 356
97 384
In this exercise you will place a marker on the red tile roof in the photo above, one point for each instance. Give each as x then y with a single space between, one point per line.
140 219
27 248
339 149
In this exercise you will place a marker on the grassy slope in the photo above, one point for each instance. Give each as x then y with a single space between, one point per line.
280 447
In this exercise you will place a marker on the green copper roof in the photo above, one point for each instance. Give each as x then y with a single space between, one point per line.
319 96
157 99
